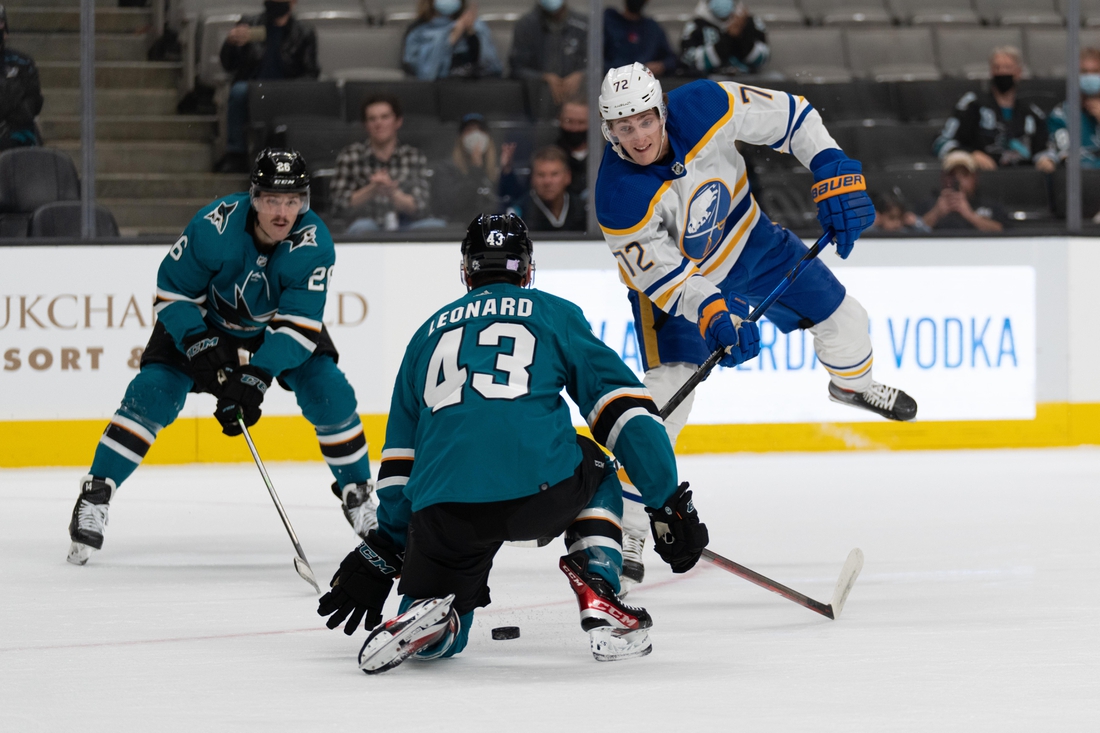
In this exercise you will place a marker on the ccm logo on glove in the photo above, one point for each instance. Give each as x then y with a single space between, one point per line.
836 186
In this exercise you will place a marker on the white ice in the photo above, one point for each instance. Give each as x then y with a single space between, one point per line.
977 609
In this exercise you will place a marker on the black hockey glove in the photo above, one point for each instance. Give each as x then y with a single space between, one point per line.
678 535
208 353
361 585
244 388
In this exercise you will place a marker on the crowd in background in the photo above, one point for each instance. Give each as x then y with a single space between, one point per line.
383 183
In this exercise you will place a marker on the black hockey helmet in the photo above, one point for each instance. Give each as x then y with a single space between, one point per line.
498 243
280 171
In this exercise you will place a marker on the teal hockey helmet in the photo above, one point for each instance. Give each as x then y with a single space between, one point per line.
498 243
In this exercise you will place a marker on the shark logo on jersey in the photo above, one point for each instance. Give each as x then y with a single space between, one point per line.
707 213
304 237
237 315
219 217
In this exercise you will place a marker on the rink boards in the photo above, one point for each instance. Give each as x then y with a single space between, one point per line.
994 337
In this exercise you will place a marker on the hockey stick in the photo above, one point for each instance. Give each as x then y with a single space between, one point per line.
707 366
300 562
848 574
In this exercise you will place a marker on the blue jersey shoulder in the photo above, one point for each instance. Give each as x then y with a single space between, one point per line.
624 190
694 110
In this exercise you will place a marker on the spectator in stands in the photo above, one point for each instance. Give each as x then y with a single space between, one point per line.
467 184
20 94
548 207
892 216
723 39
1090 114
628 36
997 127
551 43
271 45
382 184
959 205
572 138
448 40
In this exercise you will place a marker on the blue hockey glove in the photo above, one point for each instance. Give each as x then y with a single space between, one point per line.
840 193
244 389
362 584
740 339
678 535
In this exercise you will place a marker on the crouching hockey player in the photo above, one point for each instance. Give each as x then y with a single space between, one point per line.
250 272
480 450
674 204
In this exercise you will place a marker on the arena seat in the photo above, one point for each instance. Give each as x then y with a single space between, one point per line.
778 12
964 52
1046 49
502 27
855 100
301 97
891 144
1090 11
847 12
914 187
936 12
1090 193
212 32
809 54
494 98
418 98
1023 191
1019 12
65 219
892 54
30 178
364 52
925 101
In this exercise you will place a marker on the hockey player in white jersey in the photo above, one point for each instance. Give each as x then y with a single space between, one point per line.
674 203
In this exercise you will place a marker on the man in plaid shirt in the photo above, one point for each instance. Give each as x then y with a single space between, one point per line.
381 184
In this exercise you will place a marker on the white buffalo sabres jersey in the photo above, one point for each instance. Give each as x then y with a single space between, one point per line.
677 227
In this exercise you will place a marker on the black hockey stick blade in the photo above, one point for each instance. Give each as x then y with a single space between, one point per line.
844 584
707 366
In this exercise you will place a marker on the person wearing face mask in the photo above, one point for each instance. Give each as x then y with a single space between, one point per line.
551 43
997 127
271 45
630 37
1057 124
20 94
722 38
448 40
468 182
573 141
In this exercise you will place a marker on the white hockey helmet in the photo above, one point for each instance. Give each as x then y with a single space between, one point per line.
626 91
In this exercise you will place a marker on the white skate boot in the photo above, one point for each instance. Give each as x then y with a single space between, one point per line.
89 518
360 506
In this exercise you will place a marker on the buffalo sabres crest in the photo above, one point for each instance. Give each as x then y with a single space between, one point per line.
219 217
304 237
705 227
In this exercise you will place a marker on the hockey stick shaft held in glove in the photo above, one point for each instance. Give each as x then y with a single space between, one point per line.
705 368
300 563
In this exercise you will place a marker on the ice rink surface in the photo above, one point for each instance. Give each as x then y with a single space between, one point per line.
977 609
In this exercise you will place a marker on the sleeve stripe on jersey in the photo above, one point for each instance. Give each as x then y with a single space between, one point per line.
169 295
290 331
664 280
713 129
649 411
594 415
391 453
801 118
645 219
790 121
306 323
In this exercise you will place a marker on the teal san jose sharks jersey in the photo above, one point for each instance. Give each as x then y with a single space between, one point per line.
477 413
214 275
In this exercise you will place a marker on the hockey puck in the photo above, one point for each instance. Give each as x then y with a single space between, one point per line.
506 632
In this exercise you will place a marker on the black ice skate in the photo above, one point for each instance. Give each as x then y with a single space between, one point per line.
89 518
616 631
890 402
359 505
427 622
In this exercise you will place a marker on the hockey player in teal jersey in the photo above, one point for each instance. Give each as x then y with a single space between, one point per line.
250 272
480 450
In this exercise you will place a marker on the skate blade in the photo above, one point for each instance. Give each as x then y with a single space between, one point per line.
79 553
387 648
609 645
